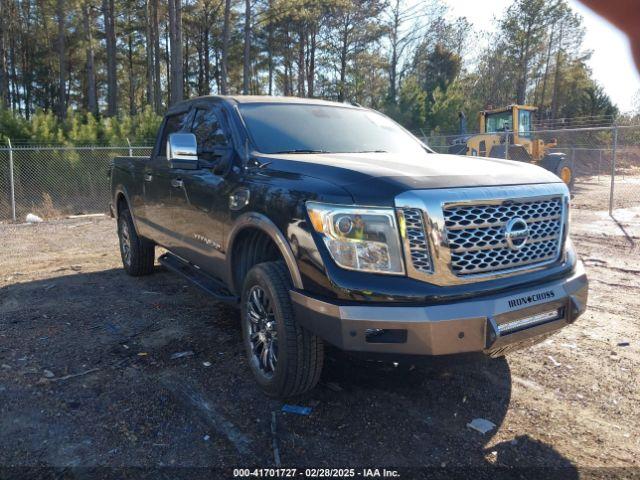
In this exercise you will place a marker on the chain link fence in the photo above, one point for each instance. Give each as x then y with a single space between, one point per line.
605 162
55 181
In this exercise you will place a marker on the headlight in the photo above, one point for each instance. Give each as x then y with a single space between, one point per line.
364 239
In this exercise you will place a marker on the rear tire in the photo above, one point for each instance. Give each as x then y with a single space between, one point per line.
284 358
138 254
565 171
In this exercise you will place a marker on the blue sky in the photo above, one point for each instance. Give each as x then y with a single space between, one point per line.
611 62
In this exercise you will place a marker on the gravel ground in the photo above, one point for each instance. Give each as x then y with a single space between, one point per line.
87 376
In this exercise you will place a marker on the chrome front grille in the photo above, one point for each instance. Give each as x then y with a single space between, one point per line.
493 237
459 235
477 240
417 240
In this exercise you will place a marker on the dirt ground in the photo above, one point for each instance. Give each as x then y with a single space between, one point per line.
593 193
87 377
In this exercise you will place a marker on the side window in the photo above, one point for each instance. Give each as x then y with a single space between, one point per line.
180 122
210 132
524 123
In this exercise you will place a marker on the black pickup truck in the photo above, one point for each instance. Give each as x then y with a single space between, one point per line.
327 222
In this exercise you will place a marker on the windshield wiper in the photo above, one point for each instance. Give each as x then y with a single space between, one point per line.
302 150
372 151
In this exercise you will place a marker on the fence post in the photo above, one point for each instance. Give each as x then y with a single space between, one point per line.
506 145
12 186
599 164
613 169
130 149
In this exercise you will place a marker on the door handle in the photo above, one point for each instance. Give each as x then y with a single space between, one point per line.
177 183
148 177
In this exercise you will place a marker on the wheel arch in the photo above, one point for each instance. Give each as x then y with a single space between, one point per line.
120 196
121 202
257 221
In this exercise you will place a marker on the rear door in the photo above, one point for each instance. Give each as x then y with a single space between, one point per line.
204 207
161 200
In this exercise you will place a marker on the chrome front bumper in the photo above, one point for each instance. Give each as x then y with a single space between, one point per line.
490 324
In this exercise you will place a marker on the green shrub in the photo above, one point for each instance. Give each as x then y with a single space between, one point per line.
79 128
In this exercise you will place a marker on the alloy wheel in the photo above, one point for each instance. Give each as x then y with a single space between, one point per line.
125 242
263 334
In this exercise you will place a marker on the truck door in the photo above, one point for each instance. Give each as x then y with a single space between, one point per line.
161 200
204 206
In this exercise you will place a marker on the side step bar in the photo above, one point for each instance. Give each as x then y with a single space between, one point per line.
192 273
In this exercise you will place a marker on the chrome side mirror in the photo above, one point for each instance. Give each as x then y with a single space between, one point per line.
182 151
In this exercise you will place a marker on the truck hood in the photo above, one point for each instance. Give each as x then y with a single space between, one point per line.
377 178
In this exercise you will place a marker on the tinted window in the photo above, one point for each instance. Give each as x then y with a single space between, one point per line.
209 131
175 123
279 128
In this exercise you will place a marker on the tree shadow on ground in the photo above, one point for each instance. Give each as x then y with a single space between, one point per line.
365 413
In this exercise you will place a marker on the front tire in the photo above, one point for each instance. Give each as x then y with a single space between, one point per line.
284 358
559 164
138 254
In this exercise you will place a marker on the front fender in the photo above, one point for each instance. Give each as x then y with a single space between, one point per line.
263 223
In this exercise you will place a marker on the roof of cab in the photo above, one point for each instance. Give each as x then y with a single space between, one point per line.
248 99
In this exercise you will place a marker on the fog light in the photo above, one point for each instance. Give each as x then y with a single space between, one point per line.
528 322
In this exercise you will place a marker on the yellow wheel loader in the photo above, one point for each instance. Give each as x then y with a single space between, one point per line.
508 133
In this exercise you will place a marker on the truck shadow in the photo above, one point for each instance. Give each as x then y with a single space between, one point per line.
428 404
365 413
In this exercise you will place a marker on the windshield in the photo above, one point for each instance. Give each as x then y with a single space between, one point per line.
299 128
496 122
